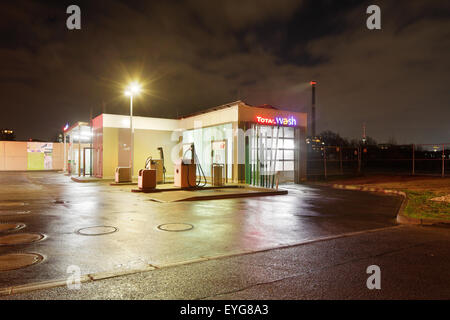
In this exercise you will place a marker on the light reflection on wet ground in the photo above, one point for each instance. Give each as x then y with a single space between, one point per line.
220 226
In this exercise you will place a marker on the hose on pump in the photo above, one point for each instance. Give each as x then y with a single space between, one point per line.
201 174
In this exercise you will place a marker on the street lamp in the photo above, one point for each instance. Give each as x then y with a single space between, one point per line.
132 90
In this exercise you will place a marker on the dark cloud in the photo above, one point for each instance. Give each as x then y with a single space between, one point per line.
197 54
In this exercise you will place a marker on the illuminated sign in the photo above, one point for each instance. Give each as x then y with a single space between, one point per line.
277 121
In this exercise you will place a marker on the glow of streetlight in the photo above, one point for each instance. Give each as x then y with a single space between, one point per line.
133 89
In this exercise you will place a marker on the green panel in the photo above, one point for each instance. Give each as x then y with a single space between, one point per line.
36 161
247 161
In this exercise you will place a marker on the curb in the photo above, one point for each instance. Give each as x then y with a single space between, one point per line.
81 180
88 278
34 286
156 190
237 195
400 217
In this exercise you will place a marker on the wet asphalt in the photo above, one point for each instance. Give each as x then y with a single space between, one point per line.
414 264
58 207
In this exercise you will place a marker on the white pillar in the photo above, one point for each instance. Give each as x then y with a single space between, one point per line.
65 155
131 136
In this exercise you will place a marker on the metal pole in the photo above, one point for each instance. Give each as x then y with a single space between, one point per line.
275 160
91 156
443 160
325 161
84 162
131 136
258 150
340 160
72 154
253 160
79 150
359 159
270 158
413 160
266 150
65 155
254 155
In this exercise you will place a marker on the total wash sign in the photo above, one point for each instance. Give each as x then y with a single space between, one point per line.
279 121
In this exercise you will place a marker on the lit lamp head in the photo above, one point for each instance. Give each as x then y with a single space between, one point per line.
133 89
313 83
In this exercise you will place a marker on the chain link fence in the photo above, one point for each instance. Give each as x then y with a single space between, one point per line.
420 159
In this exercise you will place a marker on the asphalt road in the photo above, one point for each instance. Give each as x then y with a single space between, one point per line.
57 207
414 264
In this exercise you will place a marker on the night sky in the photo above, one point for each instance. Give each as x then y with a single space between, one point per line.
194 55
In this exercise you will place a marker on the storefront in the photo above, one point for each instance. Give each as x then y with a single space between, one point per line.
250 144
78 151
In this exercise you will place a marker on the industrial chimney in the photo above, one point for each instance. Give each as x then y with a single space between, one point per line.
313 108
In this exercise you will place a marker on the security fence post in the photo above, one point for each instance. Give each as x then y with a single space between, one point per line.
359 159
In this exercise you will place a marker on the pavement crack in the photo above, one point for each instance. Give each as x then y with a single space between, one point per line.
249 287
313 272
374 256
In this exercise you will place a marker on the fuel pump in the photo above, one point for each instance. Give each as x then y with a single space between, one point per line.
188 169
161 156
158 165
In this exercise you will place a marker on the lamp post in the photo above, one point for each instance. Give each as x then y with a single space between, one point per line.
65 150
133 89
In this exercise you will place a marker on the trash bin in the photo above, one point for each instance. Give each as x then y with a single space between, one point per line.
217 172
147 179
123 174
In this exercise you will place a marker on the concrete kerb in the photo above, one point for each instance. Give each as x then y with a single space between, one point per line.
233 196
401 218
113 274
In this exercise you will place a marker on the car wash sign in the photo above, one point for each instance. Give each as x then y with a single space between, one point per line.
277 121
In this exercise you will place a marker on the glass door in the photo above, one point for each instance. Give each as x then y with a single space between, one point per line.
264 155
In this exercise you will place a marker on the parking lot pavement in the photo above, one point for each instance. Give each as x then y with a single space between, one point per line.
52 205
414 264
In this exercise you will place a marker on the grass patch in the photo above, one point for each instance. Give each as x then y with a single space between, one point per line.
419 190
420 206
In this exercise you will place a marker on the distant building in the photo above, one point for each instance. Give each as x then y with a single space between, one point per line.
7 135
315 143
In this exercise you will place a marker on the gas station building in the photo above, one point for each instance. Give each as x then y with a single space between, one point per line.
251 144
